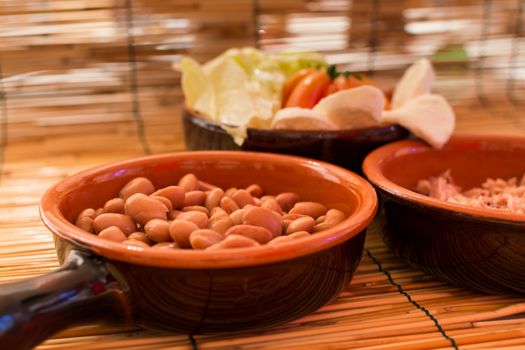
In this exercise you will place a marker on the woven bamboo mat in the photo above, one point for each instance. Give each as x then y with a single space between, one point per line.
388 305
89 82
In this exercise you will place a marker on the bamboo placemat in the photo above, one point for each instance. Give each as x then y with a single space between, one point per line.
89 82
388 305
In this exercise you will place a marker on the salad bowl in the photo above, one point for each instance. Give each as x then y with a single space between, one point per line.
346 148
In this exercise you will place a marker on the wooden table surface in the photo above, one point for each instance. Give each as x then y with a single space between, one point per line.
388 305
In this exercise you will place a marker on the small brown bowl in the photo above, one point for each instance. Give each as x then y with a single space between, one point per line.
477 248
346 148
189 291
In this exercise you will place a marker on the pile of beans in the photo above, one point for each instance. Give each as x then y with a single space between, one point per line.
195 214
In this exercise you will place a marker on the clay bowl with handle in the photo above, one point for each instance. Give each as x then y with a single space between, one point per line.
346 148
183 290
479 248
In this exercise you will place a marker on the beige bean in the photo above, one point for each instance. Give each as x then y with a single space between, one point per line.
217 217
230 191
321 227
172 215
123 222
113 233
163 200
158 230
189 182
237 216
279 219
89 212
292 216
165 245
202 239
140 236
334 216
287 200
228 205
194 198
280 240
98 212
180 231
255 190
196 208
143 208
299 234
174 193
221 225
217 211
302 224
198 218
258 233
248 206
85 223
218 214
242 198
285 224
135 243
312 209
137 185
290 238
234 241
320 219
213 198
264 218
115 205
272 205
205 186
85 219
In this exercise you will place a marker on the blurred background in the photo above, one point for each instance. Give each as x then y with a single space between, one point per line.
96 75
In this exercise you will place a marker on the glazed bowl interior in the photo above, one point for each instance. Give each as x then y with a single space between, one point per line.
315 181
398 167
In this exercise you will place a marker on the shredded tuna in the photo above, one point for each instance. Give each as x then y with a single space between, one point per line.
499 194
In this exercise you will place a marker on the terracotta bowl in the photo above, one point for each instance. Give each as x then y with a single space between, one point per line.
481 249
346 148
189 290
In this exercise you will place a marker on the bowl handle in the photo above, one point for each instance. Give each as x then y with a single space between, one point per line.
84 289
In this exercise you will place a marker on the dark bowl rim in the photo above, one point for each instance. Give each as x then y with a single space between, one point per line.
374 161
218 126
366 207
